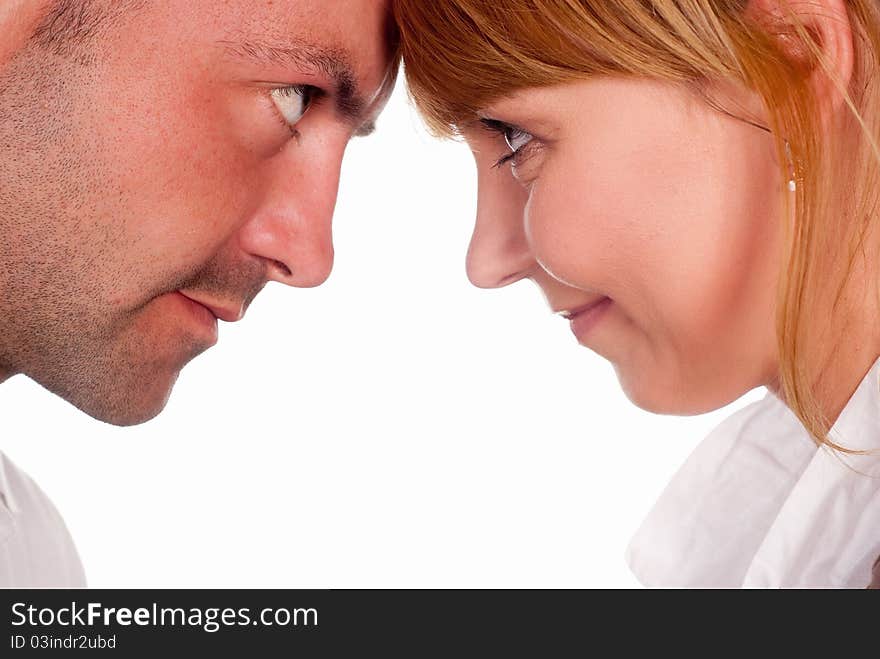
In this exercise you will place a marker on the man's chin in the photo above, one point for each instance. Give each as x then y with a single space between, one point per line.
130 413
129 403
126 379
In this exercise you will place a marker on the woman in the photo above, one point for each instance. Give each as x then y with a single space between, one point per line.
694 186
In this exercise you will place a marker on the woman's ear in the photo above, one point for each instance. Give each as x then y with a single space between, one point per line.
824 23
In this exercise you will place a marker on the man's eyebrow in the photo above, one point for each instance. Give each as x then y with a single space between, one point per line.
334 63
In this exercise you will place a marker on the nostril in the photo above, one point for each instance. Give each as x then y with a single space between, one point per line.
285 271
509 279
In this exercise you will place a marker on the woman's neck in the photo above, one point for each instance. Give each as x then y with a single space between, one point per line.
848 345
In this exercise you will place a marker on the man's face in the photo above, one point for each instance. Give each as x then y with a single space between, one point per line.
160 169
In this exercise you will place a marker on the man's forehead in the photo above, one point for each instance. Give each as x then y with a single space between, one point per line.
362 30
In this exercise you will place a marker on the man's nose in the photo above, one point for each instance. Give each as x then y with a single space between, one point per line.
499 252
291 229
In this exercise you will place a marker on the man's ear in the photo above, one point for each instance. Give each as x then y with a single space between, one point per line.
827 25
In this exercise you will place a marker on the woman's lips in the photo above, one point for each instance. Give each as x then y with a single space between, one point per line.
583 319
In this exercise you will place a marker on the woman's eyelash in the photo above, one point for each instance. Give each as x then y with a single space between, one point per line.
500 128
503 160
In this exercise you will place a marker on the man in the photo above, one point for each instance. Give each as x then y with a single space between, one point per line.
159 163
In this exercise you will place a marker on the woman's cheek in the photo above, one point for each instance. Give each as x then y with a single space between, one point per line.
564 230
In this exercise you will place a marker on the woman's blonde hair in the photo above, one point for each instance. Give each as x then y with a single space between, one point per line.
462 55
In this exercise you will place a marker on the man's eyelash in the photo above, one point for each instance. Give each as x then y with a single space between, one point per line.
314 94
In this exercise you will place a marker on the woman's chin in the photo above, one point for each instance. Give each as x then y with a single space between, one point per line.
665 396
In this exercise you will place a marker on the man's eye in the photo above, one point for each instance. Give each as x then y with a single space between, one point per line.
293 101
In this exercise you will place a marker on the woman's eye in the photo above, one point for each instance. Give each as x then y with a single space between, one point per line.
516 138
293 101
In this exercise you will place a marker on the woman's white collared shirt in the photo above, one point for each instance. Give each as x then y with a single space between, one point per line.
35 547
758 505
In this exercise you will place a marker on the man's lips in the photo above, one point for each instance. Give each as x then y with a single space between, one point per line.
226 312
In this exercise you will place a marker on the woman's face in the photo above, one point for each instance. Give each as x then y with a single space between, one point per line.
639 195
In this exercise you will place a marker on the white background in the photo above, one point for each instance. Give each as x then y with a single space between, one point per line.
395 427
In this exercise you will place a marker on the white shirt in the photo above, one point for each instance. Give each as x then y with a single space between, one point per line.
758 505
36 549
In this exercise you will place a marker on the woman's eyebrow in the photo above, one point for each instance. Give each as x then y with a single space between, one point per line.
332 62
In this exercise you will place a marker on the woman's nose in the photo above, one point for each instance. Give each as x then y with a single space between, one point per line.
499 252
